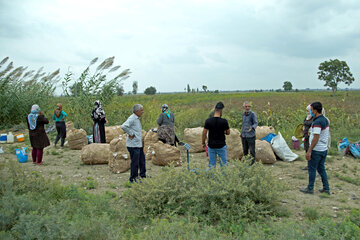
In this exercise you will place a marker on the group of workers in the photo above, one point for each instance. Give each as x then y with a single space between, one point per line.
316 136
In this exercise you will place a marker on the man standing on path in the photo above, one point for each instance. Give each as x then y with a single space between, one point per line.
217 128
316 155
133 128
248 136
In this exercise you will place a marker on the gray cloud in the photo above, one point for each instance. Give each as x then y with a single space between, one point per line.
167 44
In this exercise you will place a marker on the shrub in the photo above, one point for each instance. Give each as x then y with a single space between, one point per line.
233 193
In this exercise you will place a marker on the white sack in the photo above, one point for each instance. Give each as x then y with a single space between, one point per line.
281 149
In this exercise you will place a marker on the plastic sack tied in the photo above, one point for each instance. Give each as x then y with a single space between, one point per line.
282 150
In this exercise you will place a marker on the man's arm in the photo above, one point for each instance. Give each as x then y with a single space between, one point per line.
255 124
204 137
313 144
126 126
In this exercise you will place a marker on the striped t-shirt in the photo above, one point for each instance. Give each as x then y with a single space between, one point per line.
320 126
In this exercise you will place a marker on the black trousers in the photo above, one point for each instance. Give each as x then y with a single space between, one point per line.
249 143
137 161
61 132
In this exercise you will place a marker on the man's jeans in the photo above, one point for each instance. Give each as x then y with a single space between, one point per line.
221 152
249 143
317 162
137 161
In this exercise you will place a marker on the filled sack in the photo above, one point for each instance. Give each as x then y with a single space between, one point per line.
119 162
282 150
96 153
264 152
193 137
263 131
77 139
234 145
112 132
164 154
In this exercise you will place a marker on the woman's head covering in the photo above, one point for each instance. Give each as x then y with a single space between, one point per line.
98 112
164 107
32 117
308 115
58 110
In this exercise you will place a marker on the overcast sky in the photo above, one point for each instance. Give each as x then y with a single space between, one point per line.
225 45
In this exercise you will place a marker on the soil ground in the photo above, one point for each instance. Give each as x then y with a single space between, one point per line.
66 166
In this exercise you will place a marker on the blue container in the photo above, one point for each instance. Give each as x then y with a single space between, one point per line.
3 138
22 155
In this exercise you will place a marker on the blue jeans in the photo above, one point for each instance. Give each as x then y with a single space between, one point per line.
221 152
317 163
137 161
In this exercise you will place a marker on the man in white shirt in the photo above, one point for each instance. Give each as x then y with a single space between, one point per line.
316 155
133 128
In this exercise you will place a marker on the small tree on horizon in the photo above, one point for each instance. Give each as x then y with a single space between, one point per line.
204 88
287 86
188 88
150 90
334 72
135 87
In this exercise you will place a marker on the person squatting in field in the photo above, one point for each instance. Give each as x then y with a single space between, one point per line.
98 116
316 155
166 129
217 127
59 116
132 127
38 138
248 135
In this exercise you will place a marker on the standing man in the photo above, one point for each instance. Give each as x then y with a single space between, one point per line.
133 128
316 155
217 128
248 136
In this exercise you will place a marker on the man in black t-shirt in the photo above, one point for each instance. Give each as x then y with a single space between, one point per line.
217 128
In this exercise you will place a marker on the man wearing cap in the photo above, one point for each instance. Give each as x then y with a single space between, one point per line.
248 136
217 127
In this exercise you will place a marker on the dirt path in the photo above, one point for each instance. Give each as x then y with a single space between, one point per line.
65 166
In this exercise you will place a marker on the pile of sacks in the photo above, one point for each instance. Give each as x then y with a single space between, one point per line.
264 151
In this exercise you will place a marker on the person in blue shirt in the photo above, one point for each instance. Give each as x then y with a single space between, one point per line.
59 116
248 135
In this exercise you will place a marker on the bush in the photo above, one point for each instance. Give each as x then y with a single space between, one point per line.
229 194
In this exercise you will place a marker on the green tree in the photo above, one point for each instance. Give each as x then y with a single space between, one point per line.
334 72
204 88
135 87
188 88
287 86
150 91
120 90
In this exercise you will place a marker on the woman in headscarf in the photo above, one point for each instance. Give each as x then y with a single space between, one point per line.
38 138
306 127
59 116
98 116
166 129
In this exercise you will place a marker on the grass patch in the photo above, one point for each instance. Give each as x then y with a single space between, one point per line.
89 184
311 213
355 181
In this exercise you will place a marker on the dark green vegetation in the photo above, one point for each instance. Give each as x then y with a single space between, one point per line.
236 203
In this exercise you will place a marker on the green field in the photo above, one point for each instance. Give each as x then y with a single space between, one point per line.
65 199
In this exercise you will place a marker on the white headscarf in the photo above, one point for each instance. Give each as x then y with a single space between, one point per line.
32 117
308 115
